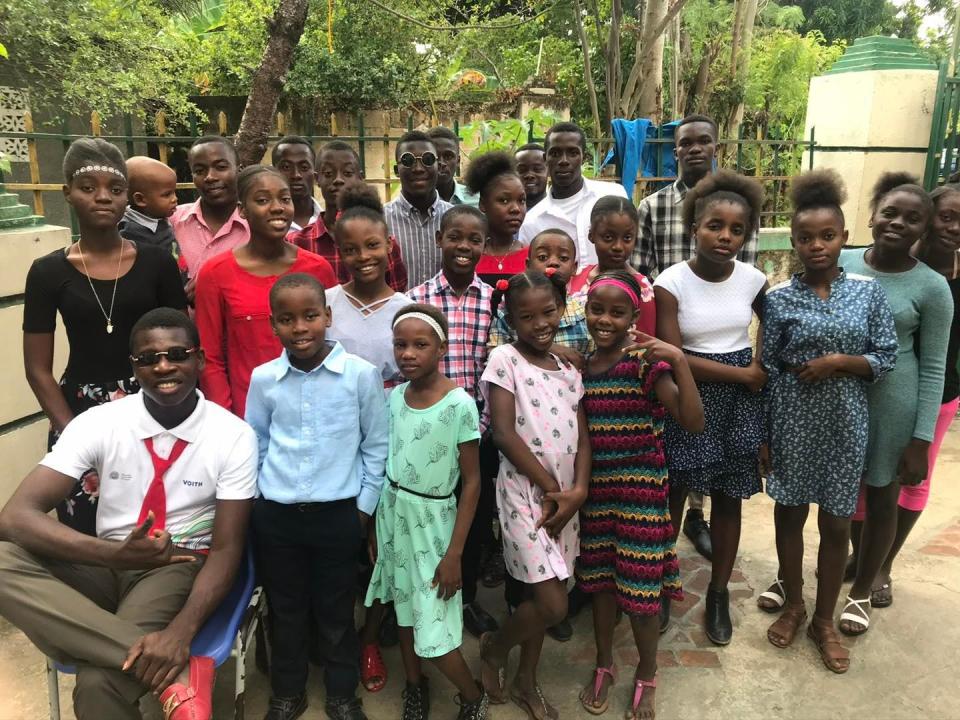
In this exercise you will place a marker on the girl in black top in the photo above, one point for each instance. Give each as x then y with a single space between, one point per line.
100 286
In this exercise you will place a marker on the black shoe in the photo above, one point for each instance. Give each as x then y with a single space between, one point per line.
286 708
698 530
577 600
345 709
477 621
664 613
477 710
416 701
388 635
562 631
717 616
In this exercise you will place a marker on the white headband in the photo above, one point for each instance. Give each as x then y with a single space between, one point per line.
99 168
426 318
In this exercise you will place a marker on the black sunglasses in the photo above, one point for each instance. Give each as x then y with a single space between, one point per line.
174 355
408 159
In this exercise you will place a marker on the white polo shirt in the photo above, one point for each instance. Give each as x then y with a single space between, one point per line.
572 215
220 463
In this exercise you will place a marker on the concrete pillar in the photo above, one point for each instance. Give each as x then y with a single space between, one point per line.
872 112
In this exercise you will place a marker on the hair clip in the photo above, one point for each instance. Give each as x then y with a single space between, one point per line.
549 272
502 285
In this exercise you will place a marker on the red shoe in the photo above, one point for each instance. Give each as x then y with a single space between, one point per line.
373 671
196 701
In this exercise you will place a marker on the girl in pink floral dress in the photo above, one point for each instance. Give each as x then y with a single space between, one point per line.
540 430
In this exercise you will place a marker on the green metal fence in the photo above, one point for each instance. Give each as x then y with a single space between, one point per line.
770 161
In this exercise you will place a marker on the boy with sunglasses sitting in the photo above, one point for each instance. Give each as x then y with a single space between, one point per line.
177 479
413 218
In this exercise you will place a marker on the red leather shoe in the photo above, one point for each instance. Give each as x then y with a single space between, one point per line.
373 671
195 702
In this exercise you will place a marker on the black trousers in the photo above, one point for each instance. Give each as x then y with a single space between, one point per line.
481 531
307 560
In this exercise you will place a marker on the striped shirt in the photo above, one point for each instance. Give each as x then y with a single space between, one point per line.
468 318
416 233
662 240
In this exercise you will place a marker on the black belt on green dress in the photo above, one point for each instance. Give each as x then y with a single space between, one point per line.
418 494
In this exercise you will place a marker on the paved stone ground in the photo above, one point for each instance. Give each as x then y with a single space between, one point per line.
905 667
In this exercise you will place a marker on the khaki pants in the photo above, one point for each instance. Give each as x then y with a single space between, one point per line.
90 617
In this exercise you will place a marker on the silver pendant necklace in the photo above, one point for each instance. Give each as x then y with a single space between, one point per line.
106 316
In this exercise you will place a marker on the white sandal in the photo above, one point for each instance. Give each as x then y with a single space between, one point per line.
777 598
861 617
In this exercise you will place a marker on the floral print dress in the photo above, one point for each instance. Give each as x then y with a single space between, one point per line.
547 402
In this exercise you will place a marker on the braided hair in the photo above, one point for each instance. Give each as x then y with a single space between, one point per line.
509 289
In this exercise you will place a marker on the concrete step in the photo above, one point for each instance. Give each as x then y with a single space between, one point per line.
19 222
12 212
8 199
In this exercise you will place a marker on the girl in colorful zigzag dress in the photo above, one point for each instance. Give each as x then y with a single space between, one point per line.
628 557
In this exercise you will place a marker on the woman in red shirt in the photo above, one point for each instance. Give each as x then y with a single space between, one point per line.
233 288
493 176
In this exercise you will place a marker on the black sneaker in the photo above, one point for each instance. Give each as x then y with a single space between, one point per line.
477 621
348 708
562 631
416 701
286 708
477 710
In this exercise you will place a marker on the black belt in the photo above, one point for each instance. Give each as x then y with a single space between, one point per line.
418 494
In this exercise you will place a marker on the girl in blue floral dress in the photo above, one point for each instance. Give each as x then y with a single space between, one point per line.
827 335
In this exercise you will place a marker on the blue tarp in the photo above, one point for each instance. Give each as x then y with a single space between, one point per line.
637 157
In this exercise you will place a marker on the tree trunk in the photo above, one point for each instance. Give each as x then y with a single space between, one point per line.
587 67
740 60
630 97
284 31
699 98
650 102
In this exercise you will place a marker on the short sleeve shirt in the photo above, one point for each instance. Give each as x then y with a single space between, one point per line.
219 463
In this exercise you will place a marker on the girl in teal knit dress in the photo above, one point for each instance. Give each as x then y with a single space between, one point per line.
419 535
904 405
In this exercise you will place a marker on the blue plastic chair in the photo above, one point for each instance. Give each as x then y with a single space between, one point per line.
225 634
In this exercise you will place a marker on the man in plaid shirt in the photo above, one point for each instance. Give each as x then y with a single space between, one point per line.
338 164
662 240
466 301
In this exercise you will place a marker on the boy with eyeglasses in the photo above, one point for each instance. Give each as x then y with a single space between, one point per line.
414 216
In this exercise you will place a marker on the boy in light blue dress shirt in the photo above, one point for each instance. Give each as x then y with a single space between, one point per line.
321 423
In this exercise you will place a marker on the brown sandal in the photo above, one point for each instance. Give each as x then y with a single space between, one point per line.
784 629
536 708
491 677
834 655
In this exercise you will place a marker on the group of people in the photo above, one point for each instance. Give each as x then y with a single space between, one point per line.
373 389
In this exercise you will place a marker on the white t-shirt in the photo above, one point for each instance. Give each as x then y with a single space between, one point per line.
367 336
714 317
572 215
220 463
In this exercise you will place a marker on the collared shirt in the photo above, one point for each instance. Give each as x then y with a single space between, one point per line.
572 215
462 196
468 318
219 463
662 240
322 434
317 212
571 333
131 213
198 243
416 233
317 239
143 229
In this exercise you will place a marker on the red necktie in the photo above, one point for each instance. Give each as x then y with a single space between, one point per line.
156 497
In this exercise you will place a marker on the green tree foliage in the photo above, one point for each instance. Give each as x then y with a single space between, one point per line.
95 55
848 19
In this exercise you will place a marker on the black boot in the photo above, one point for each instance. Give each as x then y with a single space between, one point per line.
696 528
717 616
664 613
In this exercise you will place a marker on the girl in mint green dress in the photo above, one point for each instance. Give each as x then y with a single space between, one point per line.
420 531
